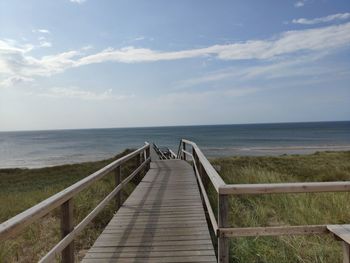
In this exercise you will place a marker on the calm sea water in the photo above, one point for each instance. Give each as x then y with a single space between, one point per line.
46 148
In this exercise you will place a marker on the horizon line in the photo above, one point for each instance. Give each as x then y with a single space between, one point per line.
169 126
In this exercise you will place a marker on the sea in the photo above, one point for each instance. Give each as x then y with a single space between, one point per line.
34 149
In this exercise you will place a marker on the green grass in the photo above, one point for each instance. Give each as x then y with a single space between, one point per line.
287 209
23 188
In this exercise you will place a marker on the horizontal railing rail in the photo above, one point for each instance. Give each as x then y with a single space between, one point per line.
173 155
16 224
278 188
159 152
203 169
211 214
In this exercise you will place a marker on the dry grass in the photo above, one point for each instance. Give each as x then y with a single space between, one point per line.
287 209
23 188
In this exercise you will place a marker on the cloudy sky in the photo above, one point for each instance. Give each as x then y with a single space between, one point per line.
95 63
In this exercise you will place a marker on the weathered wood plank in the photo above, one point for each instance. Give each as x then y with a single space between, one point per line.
151 254
163 220
151 248
157 260
67 226
341 231
273 231
309 187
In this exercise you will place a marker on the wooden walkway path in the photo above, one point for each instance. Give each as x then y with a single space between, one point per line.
163 220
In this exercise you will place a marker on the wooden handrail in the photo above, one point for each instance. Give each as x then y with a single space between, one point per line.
212 218
14 225
273 231
224 190
173 155
214 177
275 188
69 238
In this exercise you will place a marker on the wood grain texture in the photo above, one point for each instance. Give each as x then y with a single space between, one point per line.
273 231
281 188
17 223
163 220
67 226
341 231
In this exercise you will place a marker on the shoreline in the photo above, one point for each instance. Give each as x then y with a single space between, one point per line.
248 152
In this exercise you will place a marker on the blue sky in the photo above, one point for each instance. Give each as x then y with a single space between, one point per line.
89 64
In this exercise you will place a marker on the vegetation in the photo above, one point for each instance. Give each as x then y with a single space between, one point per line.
23 188
287 209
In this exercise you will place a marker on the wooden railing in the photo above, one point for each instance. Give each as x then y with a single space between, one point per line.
206 174
64 199
164 153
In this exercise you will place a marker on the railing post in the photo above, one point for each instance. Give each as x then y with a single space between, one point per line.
184 148
66 227
148 154
138 163
117 176
194 155
346 252
223 221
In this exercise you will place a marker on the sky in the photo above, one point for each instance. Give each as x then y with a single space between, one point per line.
70 64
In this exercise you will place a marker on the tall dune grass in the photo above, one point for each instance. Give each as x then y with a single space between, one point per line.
23 188
287 209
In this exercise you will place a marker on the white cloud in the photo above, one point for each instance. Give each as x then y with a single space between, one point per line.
88 47
305 66
45 44
286 43
43 31
78 1
16 60
324 19
14 80
78 93
299 4
139 38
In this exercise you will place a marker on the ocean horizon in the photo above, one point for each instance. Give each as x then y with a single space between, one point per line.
35 149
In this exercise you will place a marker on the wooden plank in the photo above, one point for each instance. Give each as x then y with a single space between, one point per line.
117 178
150 238
119 249
159 220
214 177
341 231
163 220
223 221
273 231
183 149
314 187
149 254
346 252
206 200
176 232
67 225
126 242
157 260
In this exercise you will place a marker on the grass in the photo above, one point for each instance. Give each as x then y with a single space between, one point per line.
287 209
23 188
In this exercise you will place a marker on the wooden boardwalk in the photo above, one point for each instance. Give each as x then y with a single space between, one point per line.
163 220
